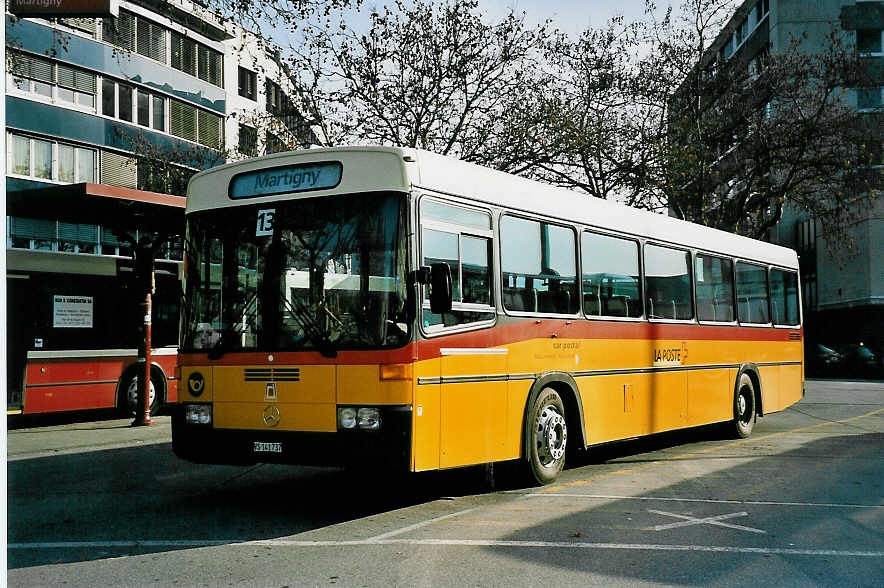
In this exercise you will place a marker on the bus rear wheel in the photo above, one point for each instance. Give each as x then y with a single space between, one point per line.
744 407
130 394
547 435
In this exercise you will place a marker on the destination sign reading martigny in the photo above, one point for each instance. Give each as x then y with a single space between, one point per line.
285 180
62 8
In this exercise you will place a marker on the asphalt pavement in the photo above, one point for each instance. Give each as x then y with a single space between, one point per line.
800 503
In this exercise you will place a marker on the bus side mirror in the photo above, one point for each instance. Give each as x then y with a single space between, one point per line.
440 288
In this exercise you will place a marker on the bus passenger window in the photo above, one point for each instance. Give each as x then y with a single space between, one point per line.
538 262
752 297
668 283
784 297
468 256
610 276
715 288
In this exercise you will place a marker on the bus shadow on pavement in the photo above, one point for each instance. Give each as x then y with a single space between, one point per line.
142 500
796 517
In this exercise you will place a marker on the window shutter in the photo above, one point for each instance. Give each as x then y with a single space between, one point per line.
75 79
209 129
108 238
30 228
117 170
151 40
81 24
182 120
216 68
202 54
32 67
126 32
183 54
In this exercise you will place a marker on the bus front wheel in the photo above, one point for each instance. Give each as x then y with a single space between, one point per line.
744 407
130 394
547 435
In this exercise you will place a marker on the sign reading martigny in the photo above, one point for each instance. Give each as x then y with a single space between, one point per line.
62 8
286 179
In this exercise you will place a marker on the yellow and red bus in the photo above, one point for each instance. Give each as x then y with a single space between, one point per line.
397 308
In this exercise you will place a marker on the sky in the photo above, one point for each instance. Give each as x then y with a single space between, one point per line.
571 16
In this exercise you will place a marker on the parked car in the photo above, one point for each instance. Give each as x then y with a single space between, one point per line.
859 361
825 362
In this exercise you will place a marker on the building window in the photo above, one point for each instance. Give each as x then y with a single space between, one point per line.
108 98
273 144
49 160
81 25
159 113
869 40
197 60
248 140
248 81
143 108
200 126
57 82
150 39
120 31
124 102
869 99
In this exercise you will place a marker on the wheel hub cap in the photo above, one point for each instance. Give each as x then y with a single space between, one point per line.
133 393
552 435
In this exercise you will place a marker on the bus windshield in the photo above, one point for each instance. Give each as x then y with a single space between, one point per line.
309 274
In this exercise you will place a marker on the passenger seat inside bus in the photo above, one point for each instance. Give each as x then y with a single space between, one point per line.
520 299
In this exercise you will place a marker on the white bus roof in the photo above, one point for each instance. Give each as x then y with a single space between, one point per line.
373 169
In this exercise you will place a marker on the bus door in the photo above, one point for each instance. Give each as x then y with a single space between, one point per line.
473 405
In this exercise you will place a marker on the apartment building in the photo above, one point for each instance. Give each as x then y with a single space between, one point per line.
106 120
843 289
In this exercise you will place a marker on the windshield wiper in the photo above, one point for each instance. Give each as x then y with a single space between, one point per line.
220 347
310 322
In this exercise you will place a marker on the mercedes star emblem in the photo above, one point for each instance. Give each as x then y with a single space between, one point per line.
271 415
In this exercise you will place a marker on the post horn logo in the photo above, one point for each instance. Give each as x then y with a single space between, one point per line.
271 415
196 384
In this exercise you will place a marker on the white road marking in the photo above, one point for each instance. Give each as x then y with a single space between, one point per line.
451 543
716 520
703 500
418 525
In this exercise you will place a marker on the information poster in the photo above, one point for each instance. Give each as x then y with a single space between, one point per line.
72 312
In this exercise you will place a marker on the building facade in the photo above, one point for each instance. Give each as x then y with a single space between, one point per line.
843 284
106 120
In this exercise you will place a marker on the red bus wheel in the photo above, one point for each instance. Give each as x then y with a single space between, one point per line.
130 394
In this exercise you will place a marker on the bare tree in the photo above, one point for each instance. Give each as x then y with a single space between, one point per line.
745 139
424 75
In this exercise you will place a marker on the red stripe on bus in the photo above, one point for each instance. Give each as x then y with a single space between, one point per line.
517 332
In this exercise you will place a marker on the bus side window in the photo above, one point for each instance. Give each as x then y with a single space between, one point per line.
714 279
667 272
446 238
611 284
538 261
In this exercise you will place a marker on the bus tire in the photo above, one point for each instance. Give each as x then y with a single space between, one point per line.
547 436
129 392
744 407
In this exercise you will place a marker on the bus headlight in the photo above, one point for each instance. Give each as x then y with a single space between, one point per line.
369 418
198 414
347 418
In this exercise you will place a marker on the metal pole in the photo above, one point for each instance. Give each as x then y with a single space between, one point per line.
147 321
142 417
